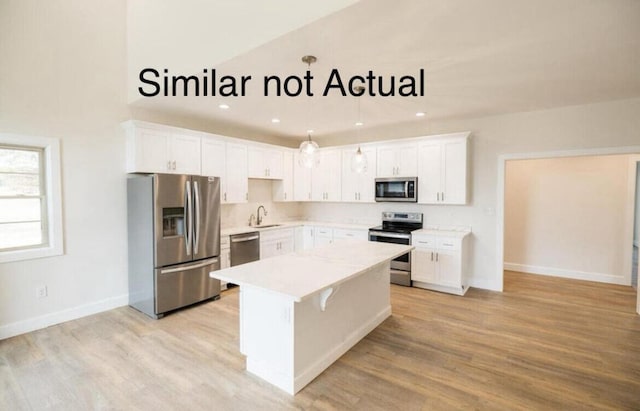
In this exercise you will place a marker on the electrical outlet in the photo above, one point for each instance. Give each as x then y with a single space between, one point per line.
41 291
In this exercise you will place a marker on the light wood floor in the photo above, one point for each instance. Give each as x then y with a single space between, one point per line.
545 343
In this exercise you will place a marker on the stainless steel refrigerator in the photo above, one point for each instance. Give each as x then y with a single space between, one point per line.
174 241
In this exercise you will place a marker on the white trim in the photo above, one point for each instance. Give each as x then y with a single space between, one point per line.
46 320
561 272
53 183
503 158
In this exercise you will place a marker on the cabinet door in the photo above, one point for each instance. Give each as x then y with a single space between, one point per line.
386 164
366 182
454 172
286 245
330 163
449 269
350 179
225 260
237 184
301 180
308 235
407 160
283 189
268 249
429 176
213 158
322 236
275 164
151 148
423 265
257 162
184 151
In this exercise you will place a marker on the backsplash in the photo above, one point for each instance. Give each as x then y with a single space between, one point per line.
260 193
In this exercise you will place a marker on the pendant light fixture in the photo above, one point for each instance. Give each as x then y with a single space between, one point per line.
359 159
308 149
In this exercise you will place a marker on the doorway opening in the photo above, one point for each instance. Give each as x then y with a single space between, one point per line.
559 231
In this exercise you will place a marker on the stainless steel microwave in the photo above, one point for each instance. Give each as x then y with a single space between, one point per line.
397 189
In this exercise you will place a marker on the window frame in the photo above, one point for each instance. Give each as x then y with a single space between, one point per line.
53 197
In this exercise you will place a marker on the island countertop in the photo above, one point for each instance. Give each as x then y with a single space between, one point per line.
301 274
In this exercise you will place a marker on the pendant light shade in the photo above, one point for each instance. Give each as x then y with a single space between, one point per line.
359 162
308 149
308 153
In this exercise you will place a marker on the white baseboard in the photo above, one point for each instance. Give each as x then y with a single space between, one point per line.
560 272
47 320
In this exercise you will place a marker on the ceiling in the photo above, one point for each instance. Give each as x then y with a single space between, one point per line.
480 58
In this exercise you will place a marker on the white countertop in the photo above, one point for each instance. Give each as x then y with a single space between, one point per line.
292 224
301 274
442 233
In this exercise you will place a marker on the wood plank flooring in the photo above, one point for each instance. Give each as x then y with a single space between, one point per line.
545 343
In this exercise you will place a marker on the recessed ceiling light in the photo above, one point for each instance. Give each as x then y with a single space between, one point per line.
420 114
359 123
224 106
275 120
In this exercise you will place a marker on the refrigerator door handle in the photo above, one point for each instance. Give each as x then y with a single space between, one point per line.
189 225
196 225
199 264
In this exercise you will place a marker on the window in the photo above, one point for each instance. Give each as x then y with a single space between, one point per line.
30 209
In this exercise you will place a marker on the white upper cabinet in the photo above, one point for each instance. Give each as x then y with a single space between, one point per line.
265 162
236 183
301 180
151 150
442 171
397 160
358 187
326 177
283 189
214 157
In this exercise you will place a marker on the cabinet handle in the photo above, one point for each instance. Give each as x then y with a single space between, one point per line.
225 196
432 256
443 196
246 196
285 196
447 244
168 165
174 164
437 257
438 197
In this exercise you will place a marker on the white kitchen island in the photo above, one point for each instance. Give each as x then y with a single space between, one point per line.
300 312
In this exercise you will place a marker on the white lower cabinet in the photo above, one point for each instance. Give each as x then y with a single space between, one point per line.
439 263
322 236
225 257
276 242
342 234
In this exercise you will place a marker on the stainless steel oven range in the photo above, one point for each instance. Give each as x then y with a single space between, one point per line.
396 228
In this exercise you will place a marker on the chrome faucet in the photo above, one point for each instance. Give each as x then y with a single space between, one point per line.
251 220
258 218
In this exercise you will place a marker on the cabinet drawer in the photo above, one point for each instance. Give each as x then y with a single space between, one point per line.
324 232
346 234
276 235
448 243
423 241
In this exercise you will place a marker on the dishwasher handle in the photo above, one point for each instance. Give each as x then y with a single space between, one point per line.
244 239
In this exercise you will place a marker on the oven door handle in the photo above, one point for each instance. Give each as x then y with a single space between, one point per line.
389 235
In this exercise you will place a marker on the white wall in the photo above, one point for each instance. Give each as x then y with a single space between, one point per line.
567 216
63 75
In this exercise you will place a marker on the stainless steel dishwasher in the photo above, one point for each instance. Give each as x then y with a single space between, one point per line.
245 248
